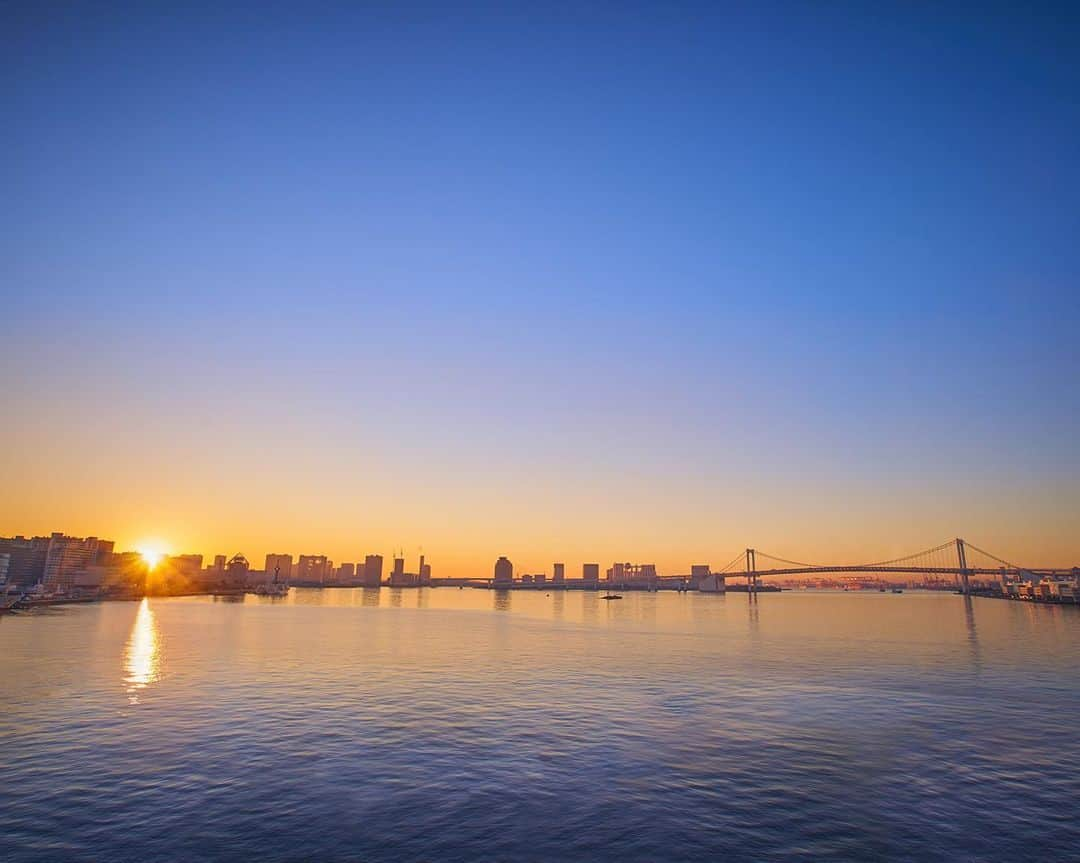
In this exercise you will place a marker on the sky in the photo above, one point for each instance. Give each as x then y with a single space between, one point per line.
561 281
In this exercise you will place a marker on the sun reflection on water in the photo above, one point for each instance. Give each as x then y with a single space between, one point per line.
142 657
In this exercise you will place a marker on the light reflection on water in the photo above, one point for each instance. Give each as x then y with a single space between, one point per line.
460 725
142 656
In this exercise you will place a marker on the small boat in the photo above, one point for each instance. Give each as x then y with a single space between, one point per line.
898 590
276 587
611 596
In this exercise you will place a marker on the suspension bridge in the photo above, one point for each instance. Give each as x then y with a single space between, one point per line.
956 558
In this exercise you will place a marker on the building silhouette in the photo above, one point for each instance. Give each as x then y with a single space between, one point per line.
312 569
345 572
504 571
558 573
590 573
26 559
373 564
281 563
236 572
68 555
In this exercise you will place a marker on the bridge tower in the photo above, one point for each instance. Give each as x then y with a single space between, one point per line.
751 571
965 587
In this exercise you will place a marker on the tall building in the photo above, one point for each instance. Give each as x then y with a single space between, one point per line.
281 564
373 570
397 574
5 562
184 565
558 575
69 554
346 572
590 573
26 559
173 574
312 568
504 571
425 573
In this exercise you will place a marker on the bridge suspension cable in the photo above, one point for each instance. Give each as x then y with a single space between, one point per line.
789 562
739 558
994 557
927 553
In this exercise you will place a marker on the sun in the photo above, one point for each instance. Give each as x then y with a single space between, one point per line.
151 553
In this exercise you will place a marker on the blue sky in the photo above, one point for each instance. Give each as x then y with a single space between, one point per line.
801 256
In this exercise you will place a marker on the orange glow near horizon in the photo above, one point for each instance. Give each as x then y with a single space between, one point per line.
152 552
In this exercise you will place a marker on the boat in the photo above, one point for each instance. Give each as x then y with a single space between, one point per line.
273 588
898 590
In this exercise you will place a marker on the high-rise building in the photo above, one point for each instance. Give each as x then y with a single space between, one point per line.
425 573
698 572
504 571
346 572
69 554
174 574
219 563
5 562
397 574
590 573
281 564
558 575
26 559
311 568
186 565
373 570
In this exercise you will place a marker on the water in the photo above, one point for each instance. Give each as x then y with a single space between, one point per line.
469 725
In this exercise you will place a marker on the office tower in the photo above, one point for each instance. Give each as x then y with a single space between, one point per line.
312 568
397 575
280 563
69 554
219 563
420 571
425 573
5 562
504 571
559 573
346 572
185 565
26 559
373 570
590 573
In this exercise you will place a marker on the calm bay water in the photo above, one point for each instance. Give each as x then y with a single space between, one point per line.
470 725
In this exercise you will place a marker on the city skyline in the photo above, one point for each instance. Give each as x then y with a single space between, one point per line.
155 550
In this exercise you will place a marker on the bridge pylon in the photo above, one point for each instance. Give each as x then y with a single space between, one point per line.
751 571
965 586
